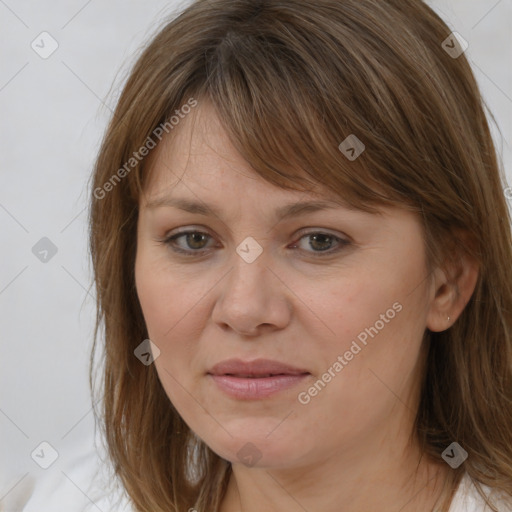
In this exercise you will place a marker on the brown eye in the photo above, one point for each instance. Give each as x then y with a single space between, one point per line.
320 242
193 242
317 242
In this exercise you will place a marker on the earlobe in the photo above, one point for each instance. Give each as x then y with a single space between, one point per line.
451 290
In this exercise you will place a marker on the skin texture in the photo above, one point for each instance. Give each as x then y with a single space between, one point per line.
352 443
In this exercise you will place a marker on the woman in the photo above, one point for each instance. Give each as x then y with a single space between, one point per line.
302 254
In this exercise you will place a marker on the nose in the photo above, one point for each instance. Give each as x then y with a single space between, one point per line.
252 299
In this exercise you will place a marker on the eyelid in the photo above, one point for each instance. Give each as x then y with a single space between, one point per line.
324 231
300 233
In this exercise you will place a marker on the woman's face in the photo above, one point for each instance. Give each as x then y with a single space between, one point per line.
283 339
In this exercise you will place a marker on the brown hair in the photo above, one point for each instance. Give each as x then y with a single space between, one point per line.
290 80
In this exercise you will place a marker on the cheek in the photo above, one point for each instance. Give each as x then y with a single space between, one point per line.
167 304
175 310
154 297
356 309
166 296
374 322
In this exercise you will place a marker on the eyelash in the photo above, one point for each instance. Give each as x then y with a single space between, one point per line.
170 242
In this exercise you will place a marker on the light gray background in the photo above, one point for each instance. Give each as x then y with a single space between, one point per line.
53 114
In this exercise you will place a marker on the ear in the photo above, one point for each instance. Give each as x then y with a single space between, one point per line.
452 287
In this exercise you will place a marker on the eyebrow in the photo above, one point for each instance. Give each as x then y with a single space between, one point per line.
281 213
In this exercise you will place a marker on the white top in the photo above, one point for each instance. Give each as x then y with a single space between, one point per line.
468 499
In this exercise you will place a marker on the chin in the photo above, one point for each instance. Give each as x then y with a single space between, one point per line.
252 446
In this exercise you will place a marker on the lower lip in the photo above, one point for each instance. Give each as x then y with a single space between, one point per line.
245 388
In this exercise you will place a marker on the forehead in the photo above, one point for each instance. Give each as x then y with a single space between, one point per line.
198 157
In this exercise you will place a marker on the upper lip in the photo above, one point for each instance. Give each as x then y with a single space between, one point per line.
255 368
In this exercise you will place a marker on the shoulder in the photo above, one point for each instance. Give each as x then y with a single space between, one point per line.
82 483
468 499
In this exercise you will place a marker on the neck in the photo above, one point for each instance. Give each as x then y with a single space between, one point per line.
378 475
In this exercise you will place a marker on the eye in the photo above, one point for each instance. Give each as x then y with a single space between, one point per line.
321 243
192 242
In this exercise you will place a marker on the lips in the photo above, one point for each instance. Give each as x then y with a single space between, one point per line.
258 379
258 368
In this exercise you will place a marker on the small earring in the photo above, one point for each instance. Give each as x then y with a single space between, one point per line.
448 319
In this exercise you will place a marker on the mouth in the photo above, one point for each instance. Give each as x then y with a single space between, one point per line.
253 380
